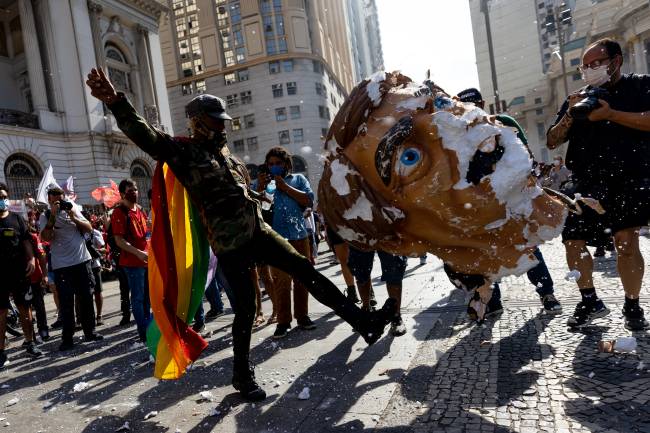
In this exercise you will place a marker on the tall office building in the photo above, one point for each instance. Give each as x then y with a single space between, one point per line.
365 40
47 115
283 67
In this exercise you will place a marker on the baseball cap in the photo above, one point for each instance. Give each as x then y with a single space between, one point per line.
207 104
470 95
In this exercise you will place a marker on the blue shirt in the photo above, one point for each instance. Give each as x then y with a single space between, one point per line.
288 219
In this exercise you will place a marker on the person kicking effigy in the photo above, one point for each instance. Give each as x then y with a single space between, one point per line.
215 182
410 170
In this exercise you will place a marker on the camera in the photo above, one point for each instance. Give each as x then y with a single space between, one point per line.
65 205
590 102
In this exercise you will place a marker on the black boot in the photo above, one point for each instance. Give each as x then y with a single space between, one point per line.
351 294
243 380
373 327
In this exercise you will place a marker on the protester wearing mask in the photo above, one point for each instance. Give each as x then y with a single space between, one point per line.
558 175
16 266
609 156
217 184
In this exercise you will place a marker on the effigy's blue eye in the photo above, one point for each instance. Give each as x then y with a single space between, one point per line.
410 157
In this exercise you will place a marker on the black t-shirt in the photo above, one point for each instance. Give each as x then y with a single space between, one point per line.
606 154
13 231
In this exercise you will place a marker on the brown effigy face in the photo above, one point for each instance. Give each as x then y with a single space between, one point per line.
410 171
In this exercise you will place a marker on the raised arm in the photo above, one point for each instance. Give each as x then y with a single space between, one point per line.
559 132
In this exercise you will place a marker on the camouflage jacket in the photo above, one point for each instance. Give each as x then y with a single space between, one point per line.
217 183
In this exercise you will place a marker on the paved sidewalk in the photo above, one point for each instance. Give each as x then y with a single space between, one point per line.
524 372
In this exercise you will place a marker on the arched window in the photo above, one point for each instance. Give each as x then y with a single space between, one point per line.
119 70
299 164
22 174
141 174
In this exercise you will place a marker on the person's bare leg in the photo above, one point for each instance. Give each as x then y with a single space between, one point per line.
26 322
342 252
99 304
364 293
395 292
630 261
579 259
259 314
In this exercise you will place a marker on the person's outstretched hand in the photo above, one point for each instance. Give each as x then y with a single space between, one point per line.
101 87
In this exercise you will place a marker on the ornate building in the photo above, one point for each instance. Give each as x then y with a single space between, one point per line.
47 115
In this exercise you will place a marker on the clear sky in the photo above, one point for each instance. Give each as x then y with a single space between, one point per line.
417 35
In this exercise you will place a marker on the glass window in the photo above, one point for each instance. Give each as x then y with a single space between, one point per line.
279 25
251 143
246 97
274 67
332 99
292 88
284 137
237 35
187 89
318 67
280 114
541 131
232 101
236 124
321 112
230 78
242 74
539 111
298 135
271 47
282 45
575 62
319 88
200 86
294 111
268 26
229 57
198 66
323 133
249 121
277 90
538 100
238 145
235 13
265 6
240 53
277 6
287 65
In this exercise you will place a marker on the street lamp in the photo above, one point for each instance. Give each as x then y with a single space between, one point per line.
556 23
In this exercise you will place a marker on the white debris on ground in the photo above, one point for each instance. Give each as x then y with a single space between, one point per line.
13 401
81 386
206 395
304 394
625 344
151 414
125 427
591 375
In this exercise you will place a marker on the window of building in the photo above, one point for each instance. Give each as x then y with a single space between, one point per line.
242 74
323 133
16 32
577 76
238 146
251 143
278 92
187 89
187 69
141 174
323 112
282 46
246 97
119 70
538 100
279 25
271 48
229 57
249 121
284 137
298 135
240 54
230 78
274 67
321 89
200 86
294 111
280 114
318 67
292 88
4 49
299 164
22 175
273 26
235 124
333 99
232 101
539 111
541 131
287 65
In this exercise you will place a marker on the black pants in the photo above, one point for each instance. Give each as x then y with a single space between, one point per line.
267 247
38 303
125 293
76 281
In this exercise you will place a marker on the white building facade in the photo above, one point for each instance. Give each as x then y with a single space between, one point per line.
47 114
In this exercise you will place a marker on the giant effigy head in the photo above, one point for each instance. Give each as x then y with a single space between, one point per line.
410 170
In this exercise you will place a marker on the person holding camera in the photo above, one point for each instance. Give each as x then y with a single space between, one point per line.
64 227
607 124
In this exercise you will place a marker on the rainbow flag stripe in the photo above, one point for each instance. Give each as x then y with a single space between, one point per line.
178 266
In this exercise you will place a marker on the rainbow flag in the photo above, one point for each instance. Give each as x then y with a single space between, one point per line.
179 255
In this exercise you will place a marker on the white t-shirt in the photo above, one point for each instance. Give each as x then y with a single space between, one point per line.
68 247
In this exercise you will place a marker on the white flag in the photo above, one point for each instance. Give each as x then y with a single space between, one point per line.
48 179
68 188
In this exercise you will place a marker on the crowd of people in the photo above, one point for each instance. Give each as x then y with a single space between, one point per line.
267 229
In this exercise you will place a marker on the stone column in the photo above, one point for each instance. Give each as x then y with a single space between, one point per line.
145 67
640 66
95 12
33 56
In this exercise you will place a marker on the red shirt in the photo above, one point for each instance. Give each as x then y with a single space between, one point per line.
39 252
135 234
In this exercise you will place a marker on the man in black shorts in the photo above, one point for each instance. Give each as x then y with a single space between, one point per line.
609 155
16 265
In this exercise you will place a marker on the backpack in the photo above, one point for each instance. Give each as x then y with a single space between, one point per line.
110 236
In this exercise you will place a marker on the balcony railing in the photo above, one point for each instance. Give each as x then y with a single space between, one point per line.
18 118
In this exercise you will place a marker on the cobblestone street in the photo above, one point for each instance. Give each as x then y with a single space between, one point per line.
523 372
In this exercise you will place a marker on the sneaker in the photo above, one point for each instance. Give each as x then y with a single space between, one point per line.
586 312
33 350
247 386
125 321
44 333
397 328
99 321
3 359
351 294
493 308
281 331
306 324
373 301
634 319
213 314
551 305
66 345
57 324
93 337
377 321
198 327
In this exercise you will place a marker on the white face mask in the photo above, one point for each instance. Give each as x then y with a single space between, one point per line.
596 77
556 163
